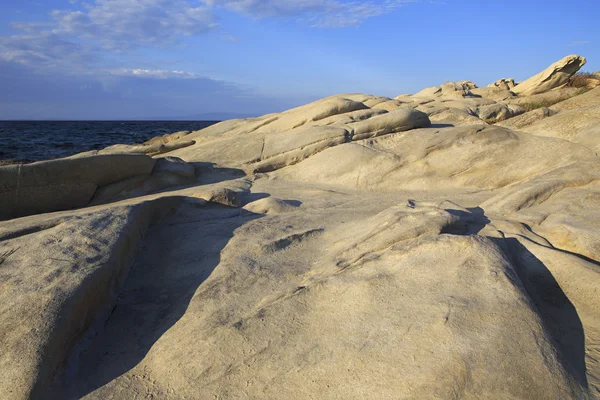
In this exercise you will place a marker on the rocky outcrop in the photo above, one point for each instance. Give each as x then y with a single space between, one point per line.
499 112
69 183
321 252
504 83
454 89
552 77
527 118
65 183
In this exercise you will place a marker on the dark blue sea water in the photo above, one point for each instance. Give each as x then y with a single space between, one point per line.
42 140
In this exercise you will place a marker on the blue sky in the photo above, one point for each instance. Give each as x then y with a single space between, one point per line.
130 59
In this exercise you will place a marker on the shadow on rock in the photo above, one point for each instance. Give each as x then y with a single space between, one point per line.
178 255
554 307
208 173
471 222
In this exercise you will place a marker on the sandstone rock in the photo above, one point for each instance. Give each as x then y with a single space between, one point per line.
395 121
463 260
567 124
504 83
452 89
453 116
390 105
226 197
167 172
591 98
80 264
168 138
64 183
527 118
290 147
494 93
552 77
547 99
438 158
174 165
149 149
499 112
271 205
315 111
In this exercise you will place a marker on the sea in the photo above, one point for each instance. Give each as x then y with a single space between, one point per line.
29 141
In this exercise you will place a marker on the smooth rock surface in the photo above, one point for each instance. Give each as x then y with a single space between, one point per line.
552 77
355 247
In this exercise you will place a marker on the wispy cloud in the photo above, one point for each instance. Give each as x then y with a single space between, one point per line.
579 43
319 13
79 52
75 39
153 73
121 25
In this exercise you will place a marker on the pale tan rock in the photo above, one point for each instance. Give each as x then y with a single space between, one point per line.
499 112
552 77
325 311
567 124
389 105
152 149
63 183
272 205
527 118
168 138
175 166
315 111
290 147
349 117
450 89
587 99
504 83
494 93
395 121
546 99
167 172
463 260
474 157
59 285
375 101
453 116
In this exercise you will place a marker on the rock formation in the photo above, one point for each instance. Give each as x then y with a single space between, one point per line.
504 83
438 245
552 77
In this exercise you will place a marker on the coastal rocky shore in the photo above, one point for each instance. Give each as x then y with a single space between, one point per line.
443 244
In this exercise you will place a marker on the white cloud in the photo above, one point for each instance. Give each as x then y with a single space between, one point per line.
124 24
121 25
320 13
44 50
579 43
78 40
153 73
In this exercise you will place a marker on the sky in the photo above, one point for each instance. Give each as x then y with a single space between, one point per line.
205 59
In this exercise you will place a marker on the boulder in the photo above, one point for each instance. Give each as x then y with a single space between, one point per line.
63 183
504 83
494 93
168 138
499 112
395 121
167 172
552 77
452 89
528 118
271 205
591 98
175 166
